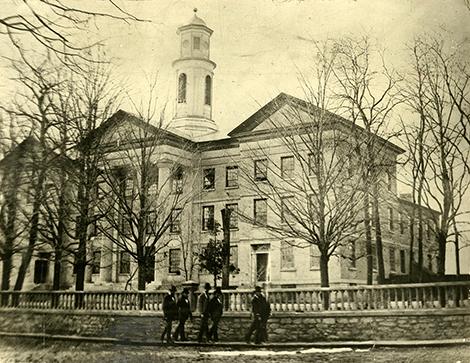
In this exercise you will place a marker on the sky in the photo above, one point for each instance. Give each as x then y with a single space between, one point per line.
259 46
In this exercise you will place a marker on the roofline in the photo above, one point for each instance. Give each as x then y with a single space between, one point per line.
268 109
409 202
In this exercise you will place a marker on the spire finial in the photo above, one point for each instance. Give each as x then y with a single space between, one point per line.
195 11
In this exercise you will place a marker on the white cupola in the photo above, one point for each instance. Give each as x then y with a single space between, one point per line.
194 73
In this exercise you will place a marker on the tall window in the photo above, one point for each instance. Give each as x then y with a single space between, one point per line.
287 255
234 256
182 80
392 261
352 254
428 229
390 219
208 179
311 164
429 262
41 268
314 257
177 180
208 91
124 262
261 169
175 223
233 224
261 211
402 223
96 262
287 166
389 180
196 42
175 260
402 261
374 257
286 209
231 176
208 218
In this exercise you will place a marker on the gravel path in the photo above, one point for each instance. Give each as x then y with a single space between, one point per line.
16 350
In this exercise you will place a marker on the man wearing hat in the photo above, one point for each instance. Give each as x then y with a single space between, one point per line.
184 312
203 305
216 309
170 313
259 314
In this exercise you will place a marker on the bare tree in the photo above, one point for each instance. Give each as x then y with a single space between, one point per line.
144 191
53 23
445 173
12 217
368 97
312 192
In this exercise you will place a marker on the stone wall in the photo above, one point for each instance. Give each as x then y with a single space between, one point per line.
282 327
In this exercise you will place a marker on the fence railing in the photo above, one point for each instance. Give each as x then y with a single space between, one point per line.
352 298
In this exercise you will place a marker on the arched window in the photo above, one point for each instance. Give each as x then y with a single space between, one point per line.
182 88
208 93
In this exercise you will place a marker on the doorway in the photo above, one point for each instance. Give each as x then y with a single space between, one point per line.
262 267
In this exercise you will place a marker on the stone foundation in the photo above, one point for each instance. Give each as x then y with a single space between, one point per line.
282 327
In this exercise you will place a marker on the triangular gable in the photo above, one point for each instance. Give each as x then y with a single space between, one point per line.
124 126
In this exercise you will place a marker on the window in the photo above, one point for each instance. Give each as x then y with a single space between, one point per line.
124 262
286 209
208 91
392 261
175 223
96 262
287 166
352 254
208 179
389 180
153 179
208 218
261 170
175 260
374 257
311 164
314 257
196 42
234 256
150 223
231 176
260 211
177 180
402 261
182 79
287 255
428 229
350 166
233 224
429 262
402 223
41 268
390 219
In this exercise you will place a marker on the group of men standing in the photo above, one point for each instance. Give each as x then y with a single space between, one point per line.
211 308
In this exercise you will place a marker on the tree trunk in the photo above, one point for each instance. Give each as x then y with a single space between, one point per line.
57 269
457 249
7 265
226 229
368 232
441 260
324 279
378 235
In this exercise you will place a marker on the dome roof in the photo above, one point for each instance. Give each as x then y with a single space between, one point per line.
196 20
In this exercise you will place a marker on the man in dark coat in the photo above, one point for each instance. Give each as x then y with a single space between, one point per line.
216 309
259 315
184 312
170 313
203 305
